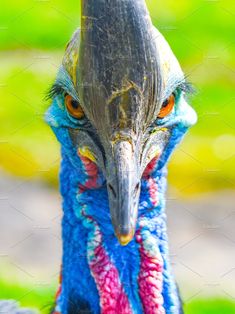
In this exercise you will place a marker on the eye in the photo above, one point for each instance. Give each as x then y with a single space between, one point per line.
167 106
74 107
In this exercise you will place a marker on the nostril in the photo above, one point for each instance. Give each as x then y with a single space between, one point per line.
112 190
136 189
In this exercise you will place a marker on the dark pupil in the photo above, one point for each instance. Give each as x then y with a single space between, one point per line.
165 103
74 104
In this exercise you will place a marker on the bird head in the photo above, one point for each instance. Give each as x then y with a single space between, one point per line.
119 94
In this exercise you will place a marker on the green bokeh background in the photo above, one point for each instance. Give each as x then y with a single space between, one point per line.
33 35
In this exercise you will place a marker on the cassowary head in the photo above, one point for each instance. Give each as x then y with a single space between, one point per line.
118 97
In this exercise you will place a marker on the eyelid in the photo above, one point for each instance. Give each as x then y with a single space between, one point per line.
167 107
73 107
182 87
59 89
54 91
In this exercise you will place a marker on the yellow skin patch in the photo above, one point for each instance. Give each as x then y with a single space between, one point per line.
74 68
70 59
155 153
85 152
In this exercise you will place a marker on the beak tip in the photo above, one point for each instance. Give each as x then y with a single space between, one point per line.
124 239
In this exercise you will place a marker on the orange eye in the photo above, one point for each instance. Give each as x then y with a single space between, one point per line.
74 107
167 106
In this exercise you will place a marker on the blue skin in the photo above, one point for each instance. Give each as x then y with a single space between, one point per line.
78 286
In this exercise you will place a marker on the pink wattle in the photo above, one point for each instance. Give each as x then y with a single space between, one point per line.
92 173
153 192
113 299
150 279
150 167
152 185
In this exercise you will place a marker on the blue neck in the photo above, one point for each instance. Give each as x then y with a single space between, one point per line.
87 224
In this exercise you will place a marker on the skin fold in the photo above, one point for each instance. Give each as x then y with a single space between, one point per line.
131 92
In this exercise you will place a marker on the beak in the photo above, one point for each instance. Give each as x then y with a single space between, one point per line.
119 82
123 191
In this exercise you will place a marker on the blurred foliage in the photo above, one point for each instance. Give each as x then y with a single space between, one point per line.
210 306
38 297
28 24
42 297
201 33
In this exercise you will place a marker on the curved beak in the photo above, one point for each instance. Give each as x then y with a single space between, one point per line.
123 190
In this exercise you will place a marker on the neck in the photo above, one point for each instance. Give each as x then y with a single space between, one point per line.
100 275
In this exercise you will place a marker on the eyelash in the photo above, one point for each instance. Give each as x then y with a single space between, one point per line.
185 87
58 89
55 90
